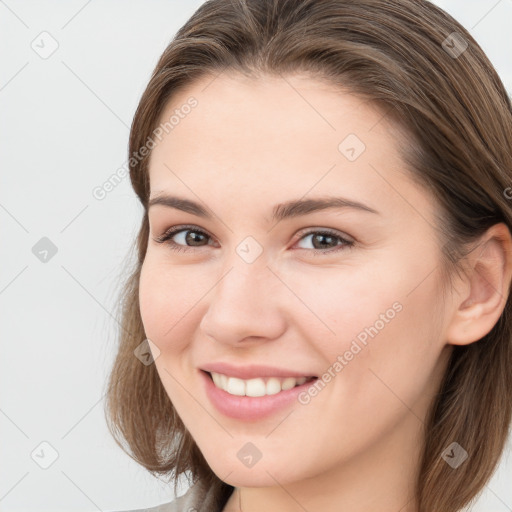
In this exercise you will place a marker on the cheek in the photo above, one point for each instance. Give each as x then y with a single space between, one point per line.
168 308
386 343
379 321
336 304
170 301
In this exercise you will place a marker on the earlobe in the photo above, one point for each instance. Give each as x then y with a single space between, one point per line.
486 288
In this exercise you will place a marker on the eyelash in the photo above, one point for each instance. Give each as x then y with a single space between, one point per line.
166 238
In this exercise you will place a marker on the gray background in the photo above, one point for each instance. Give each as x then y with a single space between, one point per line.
64 131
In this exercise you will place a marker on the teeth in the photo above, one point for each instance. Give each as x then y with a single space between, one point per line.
255 387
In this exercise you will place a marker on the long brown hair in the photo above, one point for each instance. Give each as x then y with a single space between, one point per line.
424 70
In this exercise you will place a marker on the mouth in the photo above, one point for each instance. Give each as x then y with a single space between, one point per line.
256 387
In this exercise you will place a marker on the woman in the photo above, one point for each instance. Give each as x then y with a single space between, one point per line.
319 315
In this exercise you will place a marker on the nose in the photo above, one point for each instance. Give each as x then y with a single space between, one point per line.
246 305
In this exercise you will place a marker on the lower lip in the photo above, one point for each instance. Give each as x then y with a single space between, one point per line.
249 407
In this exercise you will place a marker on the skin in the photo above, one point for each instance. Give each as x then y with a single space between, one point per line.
248 145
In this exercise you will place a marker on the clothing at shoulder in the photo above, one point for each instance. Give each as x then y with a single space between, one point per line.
198 498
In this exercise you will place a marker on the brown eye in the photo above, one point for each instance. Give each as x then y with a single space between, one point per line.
193 237
326 242
185 238
181 238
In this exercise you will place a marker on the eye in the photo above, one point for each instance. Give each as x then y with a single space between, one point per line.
195 239
327 240
183 235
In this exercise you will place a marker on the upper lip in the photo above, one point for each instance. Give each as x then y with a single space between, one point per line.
252 371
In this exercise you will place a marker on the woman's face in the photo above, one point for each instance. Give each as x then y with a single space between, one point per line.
258 281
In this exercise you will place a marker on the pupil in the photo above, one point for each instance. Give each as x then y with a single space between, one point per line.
322 237
193 236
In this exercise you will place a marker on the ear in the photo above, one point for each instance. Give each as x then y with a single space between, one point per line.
486 288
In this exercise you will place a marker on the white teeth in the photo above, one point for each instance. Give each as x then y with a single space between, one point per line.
273 386
236 386
216 379
255 387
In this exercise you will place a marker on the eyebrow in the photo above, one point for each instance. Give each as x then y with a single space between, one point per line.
280 211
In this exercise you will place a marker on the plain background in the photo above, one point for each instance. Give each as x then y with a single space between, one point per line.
64 131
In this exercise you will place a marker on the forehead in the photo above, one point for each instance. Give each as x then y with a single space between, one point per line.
284 111
276 138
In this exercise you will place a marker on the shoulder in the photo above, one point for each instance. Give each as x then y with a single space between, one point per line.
198 498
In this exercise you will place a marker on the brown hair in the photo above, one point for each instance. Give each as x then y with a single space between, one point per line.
458 117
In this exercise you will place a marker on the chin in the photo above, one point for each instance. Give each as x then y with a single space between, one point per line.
264 473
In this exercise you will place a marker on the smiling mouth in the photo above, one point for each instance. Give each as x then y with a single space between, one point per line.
258 386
